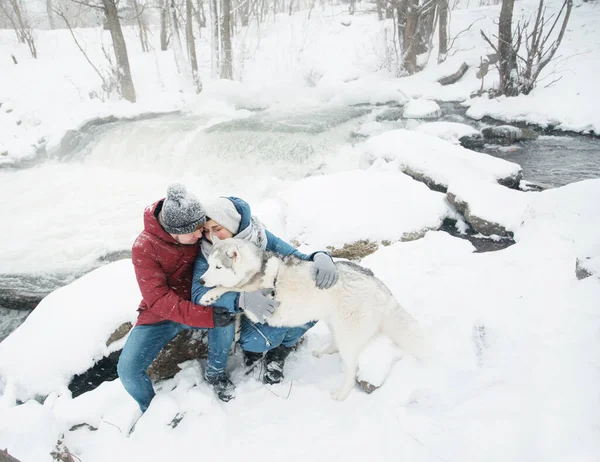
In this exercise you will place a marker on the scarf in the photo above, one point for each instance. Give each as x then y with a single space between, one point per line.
255 232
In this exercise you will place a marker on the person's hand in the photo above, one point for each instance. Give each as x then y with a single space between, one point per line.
222 317
324 272
257 304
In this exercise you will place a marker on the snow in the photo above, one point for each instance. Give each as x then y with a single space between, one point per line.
421 109
77 321
380 205
31 422
493 203
573 212
570 103
449 131
437 159
512 329
514 371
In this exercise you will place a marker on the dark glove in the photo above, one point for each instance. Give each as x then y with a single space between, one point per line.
258 304
222 317
324 272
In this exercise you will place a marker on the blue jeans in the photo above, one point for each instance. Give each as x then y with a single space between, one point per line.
256 338
146 341
259 338
143 345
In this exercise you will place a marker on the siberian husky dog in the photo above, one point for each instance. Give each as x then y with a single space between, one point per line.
356 309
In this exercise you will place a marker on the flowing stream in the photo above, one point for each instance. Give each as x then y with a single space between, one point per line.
76 209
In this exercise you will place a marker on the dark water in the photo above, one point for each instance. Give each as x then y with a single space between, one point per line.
554 161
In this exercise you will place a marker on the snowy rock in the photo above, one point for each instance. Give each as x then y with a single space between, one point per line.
119 333
436 162
71 326
474 141
587 267
489 208
509 132
422 109
29 432
449 131
188 344
320 208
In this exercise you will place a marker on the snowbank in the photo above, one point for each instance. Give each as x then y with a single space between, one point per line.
439 161
332 210
449 131
67 333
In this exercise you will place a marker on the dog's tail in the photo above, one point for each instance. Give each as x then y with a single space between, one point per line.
405 331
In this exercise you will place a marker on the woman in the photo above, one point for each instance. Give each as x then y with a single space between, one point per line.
231 217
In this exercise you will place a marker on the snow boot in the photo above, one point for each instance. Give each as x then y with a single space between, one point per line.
274 362
251 358
222 386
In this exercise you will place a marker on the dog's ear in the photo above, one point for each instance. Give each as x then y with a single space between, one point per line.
214 239
233 253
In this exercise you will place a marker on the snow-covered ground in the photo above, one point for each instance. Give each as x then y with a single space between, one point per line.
516 336
513 377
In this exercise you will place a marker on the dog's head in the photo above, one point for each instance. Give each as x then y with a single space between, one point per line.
232 263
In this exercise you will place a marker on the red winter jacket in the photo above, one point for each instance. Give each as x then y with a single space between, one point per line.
163 269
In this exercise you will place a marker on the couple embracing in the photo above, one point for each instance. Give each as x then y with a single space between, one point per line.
170 256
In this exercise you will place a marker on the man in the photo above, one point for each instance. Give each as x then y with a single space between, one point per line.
163 257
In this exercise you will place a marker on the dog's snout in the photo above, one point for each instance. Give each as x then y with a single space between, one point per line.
202 281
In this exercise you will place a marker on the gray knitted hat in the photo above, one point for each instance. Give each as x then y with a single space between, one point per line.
224 212
181 212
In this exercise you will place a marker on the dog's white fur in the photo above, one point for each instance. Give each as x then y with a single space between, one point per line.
356 309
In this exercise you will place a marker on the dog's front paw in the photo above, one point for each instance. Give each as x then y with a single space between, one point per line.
209 298
317 353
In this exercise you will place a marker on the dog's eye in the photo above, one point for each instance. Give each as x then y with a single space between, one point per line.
218 267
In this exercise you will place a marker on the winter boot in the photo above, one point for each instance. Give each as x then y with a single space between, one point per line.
222 386
274 361
250 360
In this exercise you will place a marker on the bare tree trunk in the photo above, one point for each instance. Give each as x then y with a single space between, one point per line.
8 16
380 7
538 56
245 12
200 17
506 52
50 12
352 7
215 54
189 33
164 24
182 69
120 47
226 59
139 15
443 30
409 41
22 28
